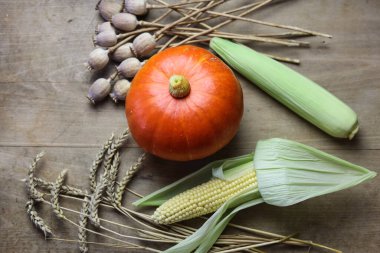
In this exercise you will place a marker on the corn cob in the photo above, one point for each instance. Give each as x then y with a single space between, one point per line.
280 173
303 96
203 199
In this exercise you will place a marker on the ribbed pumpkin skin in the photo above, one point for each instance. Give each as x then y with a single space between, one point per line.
186 128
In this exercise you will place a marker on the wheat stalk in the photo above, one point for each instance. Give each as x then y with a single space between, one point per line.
55 194
112 150
98 161
33 193
96 198
112 176
37 220
66 189
83 220
118 195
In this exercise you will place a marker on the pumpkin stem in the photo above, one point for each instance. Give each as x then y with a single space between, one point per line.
179 86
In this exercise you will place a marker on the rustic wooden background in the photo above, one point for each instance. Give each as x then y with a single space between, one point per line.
43 44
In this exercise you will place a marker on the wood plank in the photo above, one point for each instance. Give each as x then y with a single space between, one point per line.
58 114
43 45
341 216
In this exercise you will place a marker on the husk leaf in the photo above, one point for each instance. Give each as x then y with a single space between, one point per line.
211 229
289 172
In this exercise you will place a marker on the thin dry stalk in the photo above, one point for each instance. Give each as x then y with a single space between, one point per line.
114 245
157 234
184 14
284 42
175 237
125 37
107 236
167 13
168 26
244 7
55 194
225 22
98 161
284 59
294 28
118 195
283 35
176 5
239 248
36 219
293 241
172 39
233 247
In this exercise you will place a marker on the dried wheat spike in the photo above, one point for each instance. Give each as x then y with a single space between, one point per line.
66 189
37 220
33 193
55 194
96 198
113 175
118 195
112 150
98 161
83 220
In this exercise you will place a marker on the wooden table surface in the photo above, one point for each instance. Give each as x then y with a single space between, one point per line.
43 45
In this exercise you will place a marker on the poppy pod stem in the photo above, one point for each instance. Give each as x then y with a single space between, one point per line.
179 86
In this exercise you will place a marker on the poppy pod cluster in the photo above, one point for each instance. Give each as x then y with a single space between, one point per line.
184 104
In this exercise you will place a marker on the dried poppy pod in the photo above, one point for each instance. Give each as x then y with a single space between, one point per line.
108 8
125 21
120 90
144 44
137 7
123 52
99 90
129 67
103 27
97 59
106 39
141 7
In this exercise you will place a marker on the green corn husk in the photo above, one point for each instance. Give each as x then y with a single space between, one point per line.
287 173
303 96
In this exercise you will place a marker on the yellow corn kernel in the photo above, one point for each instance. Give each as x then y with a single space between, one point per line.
202 199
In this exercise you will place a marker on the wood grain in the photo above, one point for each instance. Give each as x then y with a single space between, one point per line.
43 45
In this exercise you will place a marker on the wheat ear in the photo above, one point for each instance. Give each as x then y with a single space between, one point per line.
98 161
37 220
33 193
112 150
96 198
55 194
83 220
118 195
112 176
66 189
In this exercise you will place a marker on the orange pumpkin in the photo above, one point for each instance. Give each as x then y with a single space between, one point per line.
184 104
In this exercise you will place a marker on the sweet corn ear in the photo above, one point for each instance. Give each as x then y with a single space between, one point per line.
303 96
203 199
